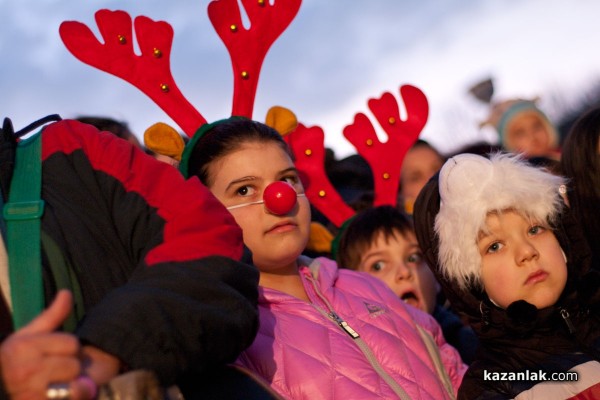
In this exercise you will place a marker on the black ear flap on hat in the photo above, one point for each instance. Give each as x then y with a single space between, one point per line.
426 207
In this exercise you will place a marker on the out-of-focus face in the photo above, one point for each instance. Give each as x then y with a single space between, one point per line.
420 164
167 160
241 177
521 260
528 133
134 141
398 262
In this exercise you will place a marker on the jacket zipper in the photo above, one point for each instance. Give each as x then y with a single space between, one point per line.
362 345
567 317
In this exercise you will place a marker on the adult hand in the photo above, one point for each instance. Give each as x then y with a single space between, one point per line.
99 365
36 356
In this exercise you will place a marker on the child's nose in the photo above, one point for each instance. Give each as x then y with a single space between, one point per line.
526 252
403 271
279 198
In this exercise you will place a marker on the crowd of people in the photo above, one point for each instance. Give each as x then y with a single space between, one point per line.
487 266
197 267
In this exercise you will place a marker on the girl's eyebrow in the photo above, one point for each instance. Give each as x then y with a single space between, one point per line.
484 240
252 178
240 180
290 169
482 235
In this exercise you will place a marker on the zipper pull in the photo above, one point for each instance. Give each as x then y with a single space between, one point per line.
344 325
567 317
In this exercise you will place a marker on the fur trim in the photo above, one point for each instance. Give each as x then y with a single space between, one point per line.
472 186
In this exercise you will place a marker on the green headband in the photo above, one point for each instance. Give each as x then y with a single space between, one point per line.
335 243
189 147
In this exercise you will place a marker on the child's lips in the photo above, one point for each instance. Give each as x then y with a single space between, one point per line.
411 298
535 277
284 226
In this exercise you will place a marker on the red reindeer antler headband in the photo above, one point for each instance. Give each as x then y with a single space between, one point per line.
151 71
385 159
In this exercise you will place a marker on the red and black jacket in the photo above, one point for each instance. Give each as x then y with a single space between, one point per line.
155 258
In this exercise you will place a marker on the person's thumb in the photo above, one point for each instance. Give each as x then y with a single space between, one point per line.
52 317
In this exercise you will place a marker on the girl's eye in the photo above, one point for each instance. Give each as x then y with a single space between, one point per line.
290 179
536 230
415 258
245 191
416 177
378 266
295 182
494 247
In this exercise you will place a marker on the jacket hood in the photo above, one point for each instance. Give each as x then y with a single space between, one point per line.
471 301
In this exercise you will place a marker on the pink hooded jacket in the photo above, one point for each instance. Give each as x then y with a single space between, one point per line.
354 340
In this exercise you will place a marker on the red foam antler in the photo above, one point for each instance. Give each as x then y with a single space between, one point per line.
386 158
150 72
248 47
308 146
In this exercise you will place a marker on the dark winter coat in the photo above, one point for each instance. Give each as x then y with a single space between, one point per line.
523 338
155 257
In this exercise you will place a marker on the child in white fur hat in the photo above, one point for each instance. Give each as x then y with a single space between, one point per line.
511 260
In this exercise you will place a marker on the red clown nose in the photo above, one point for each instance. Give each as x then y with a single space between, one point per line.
279 197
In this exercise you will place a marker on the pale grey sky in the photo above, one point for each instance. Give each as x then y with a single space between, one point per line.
334 56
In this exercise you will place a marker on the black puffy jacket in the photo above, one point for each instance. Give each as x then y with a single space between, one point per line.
155 258
523 338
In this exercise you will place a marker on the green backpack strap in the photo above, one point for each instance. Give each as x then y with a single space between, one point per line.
65 277
22 214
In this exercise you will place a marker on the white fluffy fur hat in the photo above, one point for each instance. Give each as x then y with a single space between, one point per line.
470 187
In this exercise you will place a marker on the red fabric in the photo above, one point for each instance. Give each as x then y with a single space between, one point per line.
196 223
591 393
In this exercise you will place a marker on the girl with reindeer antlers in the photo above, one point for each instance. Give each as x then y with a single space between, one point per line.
325 333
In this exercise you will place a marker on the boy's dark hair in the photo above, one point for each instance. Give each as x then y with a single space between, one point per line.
363 229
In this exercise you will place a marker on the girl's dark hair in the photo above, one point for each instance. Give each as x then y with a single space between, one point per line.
224 138
361 232
580 162
424 143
